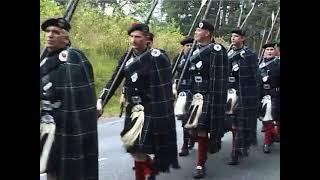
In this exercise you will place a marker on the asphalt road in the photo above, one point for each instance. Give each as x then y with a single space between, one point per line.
116 164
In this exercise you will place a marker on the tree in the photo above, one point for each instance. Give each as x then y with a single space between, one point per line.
104 38
183 12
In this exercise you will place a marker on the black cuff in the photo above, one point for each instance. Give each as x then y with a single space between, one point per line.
124 90
103 94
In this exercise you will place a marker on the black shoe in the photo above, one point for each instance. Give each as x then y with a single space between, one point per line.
219 145
200 172
184 152
266 148
175 165
234 160
245 152
191 144
254 141
151 177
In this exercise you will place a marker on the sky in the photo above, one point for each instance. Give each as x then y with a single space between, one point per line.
126 9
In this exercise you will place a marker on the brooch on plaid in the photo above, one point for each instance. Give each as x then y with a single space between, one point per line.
63 55
155 52
217 47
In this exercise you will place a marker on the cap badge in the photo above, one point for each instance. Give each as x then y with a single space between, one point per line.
200 25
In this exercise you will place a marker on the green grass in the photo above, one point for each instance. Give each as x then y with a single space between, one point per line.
103 67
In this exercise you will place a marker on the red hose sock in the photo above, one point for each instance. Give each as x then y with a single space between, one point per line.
202 150
148 168
233 148
270 132
139 170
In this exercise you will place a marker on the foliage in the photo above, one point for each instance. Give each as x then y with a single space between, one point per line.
184 11
104 39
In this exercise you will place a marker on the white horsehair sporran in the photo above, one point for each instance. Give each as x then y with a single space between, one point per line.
179 108
47 129
265 111
196 111
232 101
137 115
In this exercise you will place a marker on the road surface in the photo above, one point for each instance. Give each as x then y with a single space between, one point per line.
116 164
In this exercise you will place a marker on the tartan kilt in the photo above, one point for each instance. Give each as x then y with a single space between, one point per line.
145 144
158 137
204 121
77 168
210 121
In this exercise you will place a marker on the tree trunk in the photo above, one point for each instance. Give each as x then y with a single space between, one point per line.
223 12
